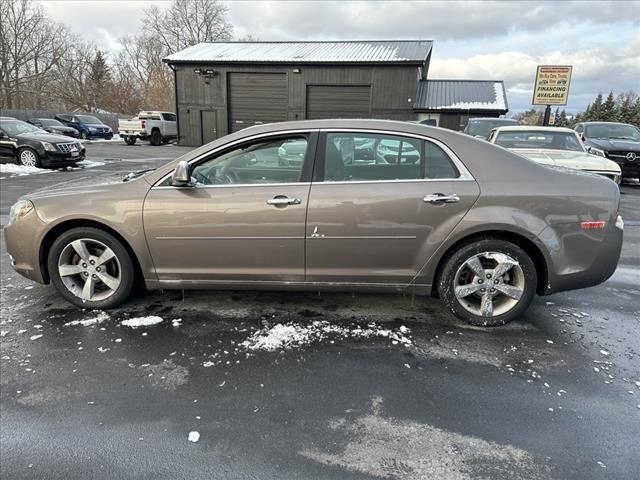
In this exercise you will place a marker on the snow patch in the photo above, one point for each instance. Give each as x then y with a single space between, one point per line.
21 170
102 316
142 321
295 335
194 437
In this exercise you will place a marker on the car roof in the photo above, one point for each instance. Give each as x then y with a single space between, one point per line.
8 118
518 128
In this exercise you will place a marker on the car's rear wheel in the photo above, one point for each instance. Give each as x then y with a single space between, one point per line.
488 282
29 158
91 268
156 138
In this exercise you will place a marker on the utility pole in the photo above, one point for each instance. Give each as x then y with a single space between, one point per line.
547 116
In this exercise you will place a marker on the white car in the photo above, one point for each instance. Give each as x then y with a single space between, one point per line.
554 146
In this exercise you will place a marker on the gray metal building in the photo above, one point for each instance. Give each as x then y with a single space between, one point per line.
226 86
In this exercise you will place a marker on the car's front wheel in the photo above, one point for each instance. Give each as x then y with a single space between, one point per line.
488 282
84 135
91 268
29 158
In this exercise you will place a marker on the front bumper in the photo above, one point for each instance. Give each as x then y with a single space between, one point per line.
104 135
59 159
23 239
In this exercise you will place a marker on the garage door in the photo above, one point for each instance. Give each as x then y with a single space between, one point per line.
338 101
256 98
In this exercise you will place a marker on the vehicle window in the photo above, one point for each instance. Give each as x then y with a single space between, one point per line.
269 161
579 129
49 122
87 119
361 156
169 117
539 139
18 127
613 131
481 128
438 163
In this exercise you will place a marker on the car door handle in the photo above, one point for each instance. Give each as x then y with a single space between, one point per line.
283 201
441 198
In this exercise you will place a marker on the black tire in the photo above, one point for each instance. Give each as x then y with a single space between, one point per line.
130 140
127 270
84 135
28 157
447 281
156 138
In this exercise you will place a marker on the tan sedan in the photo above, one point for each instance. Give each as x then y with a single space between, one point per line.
372 205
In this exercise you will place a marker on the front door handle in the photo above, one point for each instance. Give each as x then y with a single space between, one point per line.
441 198
283 201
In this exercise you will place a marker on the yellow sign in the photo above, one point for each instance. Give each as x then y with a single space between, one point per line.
552 85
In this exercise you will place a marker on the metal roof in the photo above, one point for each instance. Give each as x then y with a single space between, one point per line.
443 95
400 51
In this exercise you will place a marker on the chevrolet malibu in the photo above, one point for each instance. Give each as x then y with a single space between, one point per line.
474 224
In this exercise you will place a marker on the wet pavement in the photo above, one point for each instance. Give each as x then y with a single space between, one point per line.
555 394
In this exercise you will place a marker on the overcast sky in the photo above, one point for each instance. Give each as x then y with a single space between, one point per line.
472 40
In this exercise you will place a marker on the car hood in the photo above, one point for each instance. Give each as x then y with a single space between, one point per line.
564 158
96 125
46 137
614 144
61 128
85 186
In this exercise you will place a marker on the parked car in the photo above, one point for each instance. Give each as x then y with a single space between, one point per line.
157 127
485 237
52 125
619 142
481 127
28 145
554 146
88 126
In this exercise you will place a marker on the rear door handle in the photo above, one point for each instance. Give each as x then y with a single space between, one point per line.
441 198
283 201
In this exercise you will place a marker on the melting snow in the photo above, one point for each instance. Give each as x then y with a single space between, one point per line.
194 437
90 321
35 337
284 336
141 321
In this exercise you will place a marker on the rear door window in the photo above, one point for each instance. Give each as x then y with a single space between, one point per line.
353 157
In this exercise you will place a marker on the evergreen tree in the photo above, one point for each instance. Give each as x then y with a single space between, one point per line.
609 109
625 107
635 118
99 81
594 113
563 121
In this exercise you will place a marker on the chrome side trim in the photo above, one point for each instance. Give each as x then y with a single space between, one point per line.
361 237
232 185
228 238
285 283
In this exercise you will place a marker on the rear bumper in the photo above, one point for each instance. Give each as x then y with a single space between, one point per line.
581 258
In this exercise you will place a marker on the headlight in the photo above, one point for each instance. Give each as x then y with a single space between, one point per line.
597 151
49 147
19 210
91 129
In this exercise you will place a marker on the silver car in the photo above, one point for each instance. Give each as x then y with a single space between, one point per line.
445 215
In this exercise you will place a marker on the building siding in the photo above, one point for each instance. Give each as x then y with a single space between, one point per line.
393 88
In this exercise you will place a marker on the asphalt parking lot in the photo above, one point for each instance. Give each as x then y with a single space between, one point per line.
391 387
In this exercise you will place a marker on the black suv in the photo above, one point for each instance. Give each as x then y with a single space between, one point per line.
619 142
32 147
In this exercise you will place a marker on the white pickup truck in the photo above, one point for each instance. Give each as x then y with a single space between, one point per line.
157 127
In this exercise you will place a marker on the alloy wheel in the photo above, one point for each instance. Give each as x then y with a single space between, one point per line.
89 269
28 158
489 284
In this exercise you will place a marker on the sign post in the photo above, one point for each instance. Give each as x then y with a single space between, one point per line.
551 87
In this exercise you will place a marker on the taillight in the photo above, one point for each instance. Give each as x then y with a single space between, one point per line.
143 124
592 225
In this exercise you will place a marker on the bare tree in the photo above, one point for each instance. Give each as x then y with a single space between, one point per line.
188 22
30 47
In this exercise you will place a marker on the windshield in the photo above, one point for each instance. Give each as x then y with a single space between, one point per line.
17 127
482 128
88 119
540 139
612 130
50 122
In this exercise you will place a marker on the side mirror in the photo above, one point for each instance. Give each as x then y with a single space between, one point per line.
180 176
